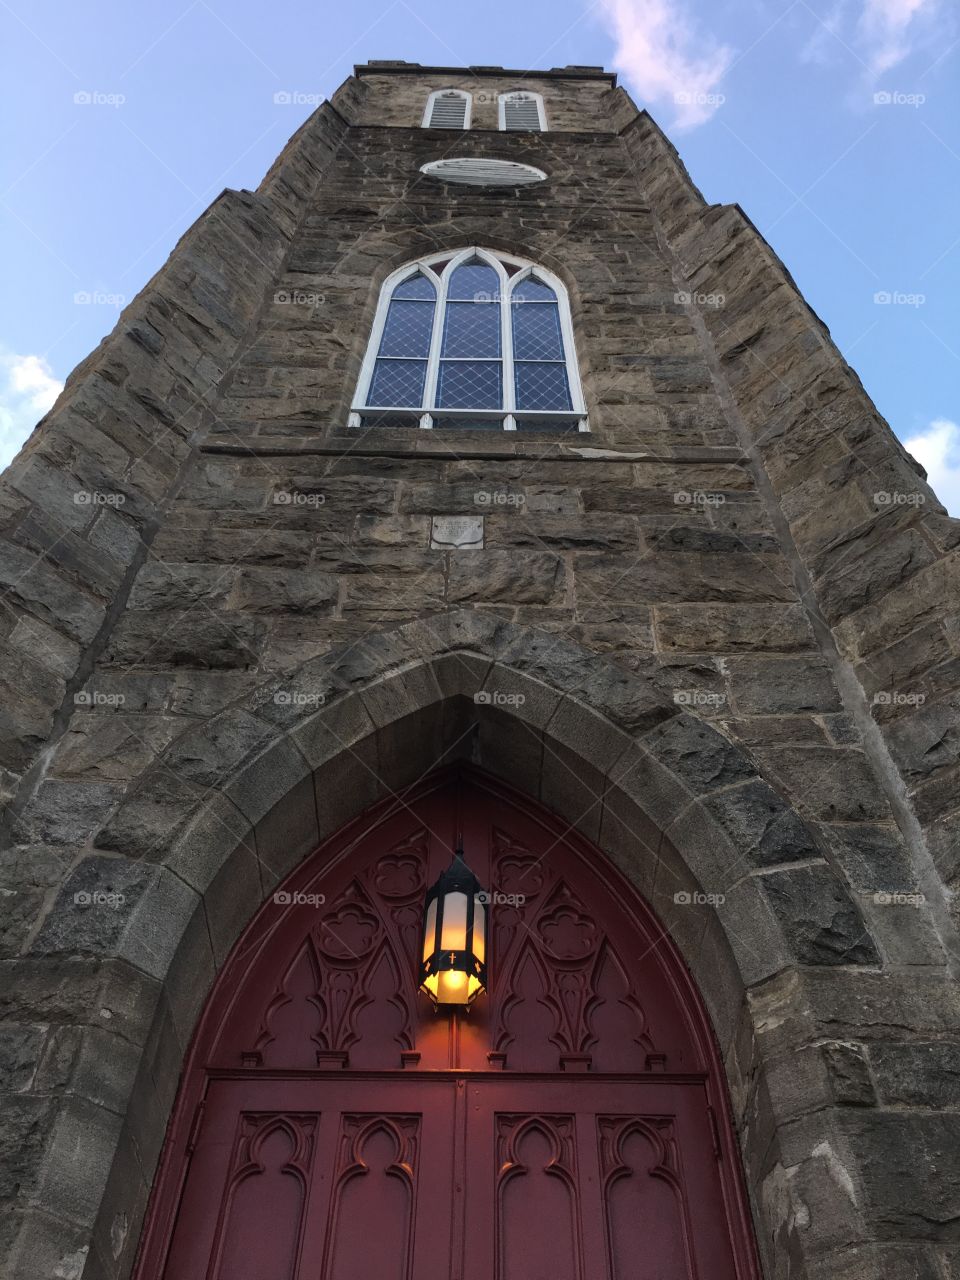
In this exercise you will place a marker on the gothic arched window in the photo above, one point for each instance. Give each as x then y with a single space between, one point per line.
523 112
472 339
448 109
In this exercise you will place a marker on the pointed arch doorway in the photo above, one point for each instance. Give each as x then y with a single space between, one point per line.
573 1125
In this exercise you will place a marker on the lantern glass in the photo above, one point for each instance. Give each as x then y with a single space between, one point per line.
453 932
479 930
453 958
430 931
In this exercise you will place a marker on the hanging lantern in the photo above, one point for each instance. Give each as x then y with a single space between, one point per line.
453 967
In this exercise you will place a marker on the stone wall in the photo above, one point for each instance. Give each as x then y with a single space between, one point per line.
272 630
873 543
574 101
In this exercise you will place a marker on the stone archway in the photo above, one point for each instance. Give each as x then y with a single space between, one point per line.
315 1039
233 806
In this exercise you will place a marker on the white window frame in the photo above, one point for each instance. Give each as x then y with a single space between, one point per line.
428 413
438 93
523 93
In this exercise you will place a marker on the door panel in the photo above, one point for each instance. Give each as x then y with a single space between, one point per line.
584 1179
298 1179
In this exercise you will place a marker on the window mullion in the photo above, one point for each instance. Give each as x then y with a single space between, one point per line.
433 358
506 343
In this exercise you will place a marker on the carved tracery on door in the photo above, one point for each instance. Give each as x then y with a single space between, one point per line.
571 1124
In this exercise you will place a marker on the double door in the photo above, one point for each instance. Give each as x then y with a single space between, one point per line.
451 1177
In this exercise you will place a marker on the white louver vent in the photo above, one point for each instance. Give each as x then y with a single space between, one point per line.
448 111
521 111
483 173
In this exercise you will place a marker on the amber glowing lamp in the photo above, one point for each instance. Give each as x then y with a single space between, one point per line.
453 968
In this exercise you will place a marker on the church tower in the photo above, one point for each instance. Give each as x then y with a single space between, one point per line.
474 484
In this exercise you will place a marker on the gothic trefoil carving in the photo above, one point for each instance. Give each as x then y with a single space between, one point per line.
347 998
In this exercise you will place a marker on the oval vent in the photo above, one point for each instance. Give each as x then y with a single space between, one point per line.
483 173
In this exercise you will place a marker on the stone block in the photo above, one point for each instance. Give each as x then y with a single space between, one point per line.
923 1073
347 782
819 919
728 628
232 898
781 686
77 1160
831 784
109 907
187 638
66 813
698 755
849 1074
20 1050
533 578
901 1198
764 829
288 832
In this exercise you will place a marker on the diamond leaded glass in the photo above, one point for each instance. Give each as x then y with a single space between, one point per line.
541 386
474 282
531 290
469 384
471 329
416 287
398 383
536 331
407 330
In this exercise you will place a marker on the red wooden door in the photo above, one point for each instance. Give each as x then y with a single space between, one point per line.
331 1125
289 1179
585 1178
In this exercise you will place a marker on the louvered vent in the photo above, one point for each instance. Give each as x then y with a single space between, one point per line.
483 173
520 111
449 111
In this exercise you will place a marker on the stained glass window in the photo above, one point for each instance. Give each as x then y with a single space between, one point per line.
473 341
400 372
540 367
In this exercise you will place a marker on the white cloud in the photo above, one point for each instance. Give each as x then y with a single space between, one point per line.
937 449
28 389
887 28
825 47
665 60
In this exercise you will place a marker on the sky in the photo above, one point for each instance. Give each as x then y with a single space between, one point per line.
834 124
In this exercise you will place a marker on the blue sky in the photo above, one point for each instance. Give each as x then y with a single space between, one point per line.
834 124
